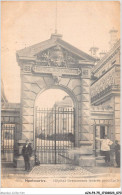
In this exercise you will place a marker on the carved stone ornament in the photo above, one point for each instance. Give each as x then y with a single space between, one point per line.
57 78
56 56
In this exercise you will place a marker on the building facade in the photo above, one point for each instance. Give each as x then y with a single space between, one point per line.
93 86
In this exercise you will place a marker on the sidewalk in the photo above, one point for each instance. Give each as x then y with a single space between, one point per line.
58 170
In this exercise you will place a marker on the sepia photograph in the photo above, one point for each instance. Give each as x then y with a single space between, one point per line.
60 94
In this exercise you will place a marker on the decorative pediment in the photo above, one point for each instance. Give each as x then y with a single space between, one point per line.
54 52
57 56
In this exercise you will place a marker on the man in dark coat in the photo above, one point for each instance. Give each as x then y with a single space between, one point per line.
117 153
27 152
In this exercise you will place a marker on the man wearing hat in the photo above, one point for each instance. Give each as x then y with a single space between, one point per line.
117 153
27 152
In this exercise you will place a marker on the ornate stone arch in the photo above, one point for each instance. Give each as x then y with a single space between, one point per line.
75 102
55 64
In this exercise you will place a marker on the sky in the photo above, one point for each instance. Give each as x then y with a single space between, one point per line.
55 96
82 24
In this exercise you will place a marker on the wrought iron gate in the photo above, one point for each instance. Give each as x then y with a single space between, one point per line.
7 142
54 135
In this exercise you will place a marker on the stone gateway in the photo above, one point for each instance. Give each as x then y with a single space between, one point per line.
94 87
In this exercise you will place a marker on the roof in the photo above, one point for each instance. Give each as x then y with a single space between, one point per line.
106 57
3 97
31 51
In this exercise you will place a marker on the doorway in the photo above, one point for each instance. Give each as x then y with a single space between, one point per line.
54 127
100 132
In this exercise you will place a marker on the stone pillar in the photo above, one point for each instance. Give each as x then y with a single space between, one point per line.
86 154
31 86
27 118
85 109
27 106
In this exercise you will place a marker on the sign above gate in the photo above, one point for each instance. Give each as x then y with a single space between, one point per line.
54 70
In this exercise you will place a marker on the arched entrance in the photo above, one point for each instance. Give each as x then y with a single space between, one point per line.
55 64
54 126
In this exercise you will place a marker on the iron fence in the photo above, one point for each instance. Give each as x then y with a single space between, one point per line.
54 135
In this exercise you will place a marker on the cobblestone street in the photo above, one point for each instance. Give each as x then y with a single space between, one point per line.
60 176
60 171
71 171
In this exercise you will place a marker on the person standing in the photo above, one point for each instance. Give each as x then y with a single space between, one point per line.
117 153
105 148
27 152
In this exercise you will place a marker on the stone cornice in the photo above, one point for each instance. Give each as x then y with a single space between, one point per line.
107 57
108 92
115 65
11 106
10 110
101 112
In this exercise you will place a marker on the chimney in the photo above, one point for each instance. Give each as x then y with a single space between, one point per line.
93 51
56 36
113 37
102 54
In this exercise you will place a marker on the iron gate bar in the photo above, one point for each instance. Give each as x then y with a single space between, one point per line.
44 135
63 129
68 123
58 131
7 141
53 129
55 135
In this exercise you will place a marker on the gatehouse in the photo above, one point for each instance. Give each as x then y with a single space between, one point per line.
93 87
